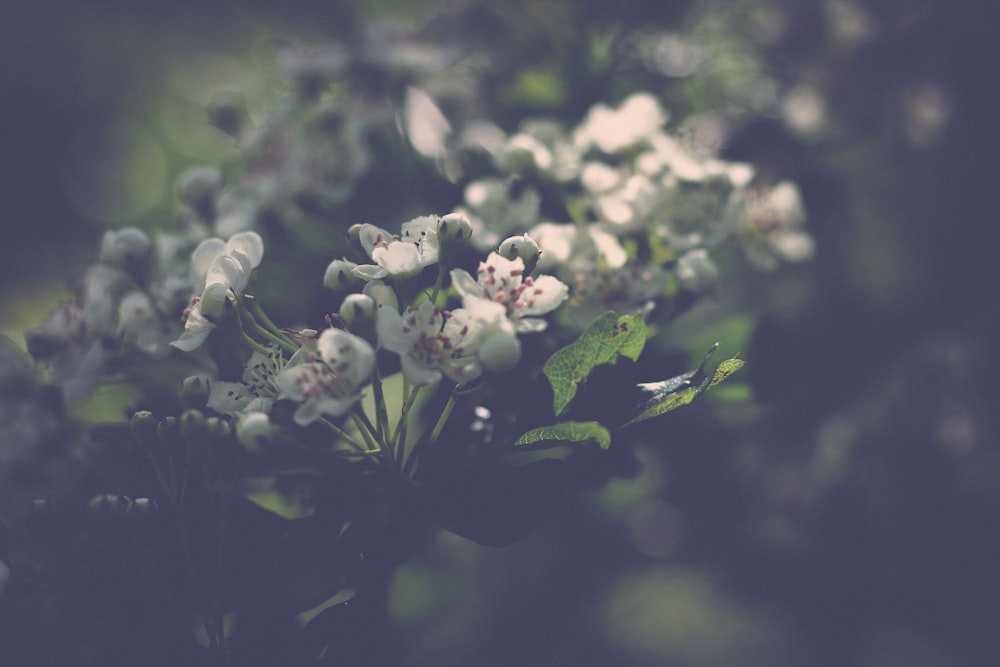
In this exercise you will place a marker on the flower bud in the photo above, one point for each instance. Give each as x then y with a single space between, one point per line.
253 430
128 249
338 275
216 426
454 227
198 189
195 391
357 310
500 352
524 247
168 433
143 426
191 424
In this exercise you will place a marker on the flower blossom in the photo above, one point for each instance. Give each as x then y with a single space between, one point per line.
502 281
327 380
416 247
432 342
256 391
224 269
633 123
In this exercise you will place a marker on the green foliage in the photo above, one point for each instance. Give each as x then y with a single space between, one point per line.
567 432
602 343
680 390
265 494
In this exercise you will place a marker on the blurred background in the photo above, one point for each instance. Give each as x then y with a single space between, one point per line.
849 514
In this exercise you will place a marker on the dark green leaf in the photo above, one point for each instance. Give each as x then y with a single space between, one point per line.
607 338
567 432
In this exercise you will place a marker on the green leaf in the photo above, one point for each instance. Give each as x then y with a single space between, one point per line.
285 505
725 369
680 390
671 401
607 338
567 432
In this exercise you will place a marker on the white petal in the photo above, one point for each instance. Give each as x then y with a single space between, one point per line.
337 346
465 284
549 293
369 272
389 326
418 373
225 270
202 258
229 397
398 258
250 243
196 330
371 237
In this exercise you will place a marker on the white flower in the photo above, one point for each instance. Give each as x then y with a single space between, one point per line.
633 123
431 342
502 281
246 248
256 392
773 226
495 210
327 381
415 248
223 269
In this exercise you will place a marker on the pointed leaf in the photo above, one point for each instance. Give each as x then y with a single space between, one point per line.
671 401
724 370
567 432
680 390
607 338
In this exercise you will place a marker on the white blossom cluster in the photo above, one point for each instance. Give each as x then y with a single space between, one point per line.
641 210
646 206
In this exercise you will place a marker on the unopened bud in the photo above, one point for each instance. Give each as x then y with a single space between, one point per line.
253 430
195 391
198 189
524 247
191 424
143 426
216 426
500 352
357 310
168 432
128 249
454 226
338 275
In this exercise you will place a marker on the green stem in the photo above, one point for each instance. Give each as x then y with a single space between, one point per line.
381 410
367 430
436 432
437 283
399 435
346 437
280 341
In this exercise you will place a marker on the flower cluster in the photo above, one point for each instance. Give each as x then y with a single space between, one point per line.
643 206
